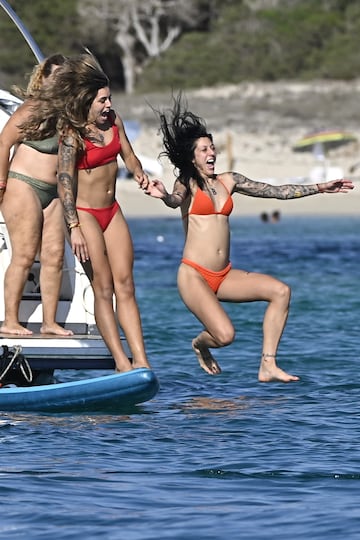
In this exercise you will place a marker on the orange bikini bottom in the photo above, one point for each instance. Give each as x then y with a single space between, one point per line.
213 279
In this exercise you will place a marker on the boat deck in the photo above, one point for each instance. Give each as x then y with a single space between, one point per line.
49 352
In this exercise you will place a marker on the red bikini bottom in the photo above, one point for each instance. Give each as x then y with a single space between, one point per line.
102 215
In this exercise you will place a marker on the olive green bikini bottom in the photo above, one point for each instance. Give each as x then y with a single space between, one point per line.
46 192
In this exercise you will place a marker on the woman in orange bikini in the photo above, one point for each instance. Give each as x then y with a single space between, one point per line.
205 276
92 136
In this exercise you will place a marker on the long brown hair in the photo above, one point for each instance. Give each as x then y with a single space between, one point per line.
63 104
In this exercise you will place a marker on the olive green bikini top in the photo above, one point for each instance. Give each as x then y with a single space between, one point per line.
46 146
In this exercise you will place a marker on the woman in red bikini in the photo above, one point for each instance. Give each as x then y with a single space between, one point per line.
205 276
92 136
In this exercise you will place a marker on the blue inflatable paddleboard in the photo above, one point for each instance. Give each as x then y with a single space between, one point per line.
118 391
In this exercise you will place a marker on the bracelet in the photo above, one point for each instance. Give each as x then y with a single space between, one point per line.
74 225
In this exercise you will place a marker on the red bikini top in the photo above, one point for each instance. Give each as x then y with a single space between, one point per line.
203 205
95 156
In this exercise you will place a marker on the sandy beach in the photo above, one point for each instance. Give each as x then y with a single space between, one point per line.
135 204
255 127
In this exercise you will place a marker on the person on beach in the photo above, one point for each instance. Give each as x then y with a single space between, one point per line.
31 209
92 136
205 276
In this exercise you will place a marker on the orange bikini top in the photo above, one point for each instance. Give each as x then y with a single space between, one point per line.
203 205
95 156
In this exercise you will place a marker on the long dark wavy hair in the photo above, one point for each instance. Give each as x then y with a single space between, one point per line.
180 130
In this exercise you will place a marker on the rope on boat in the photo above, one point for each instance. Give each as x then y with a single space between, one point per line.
17 361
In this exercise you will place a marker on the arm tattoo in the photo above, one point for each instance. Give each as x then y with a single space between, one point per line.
66 168
261 189
67 198
174 199
178 195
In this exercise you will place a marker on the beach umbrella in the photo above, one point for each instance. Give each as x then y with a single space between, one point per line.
323 140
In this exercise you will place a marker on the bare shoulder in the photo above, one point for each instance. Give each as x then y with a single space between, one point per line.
115 118
23 112
227 178
12 131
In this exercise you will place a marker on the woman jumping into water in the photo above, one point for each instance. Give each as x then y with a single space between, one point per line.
206 277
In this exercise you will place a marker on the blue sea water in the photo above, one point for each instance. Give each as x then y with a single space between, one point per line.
212 457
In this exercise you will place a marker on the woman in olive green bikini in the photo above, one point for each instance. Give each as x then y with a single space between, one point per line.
32 211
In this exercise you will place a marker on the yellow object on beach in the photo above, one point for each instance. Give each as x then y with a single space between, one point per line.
327 139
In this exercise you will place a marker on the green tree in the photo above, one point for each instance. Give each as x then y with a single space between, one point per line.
250 41
139 29
52 23
340 59
228 41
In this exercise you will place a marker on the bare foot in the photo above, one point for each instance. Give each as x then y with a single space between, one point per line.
55 329
270 372
15 329
206 360
123 369
139 365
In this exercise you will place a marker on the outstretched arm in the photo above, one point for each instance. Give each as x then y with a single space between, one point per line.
175 199
336 186
287 191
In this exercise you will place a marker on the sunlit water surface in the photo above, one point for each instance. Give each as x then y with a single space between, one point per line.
212 457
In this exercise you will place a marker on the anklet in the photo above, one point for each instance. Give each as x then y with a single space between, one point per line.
266 355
